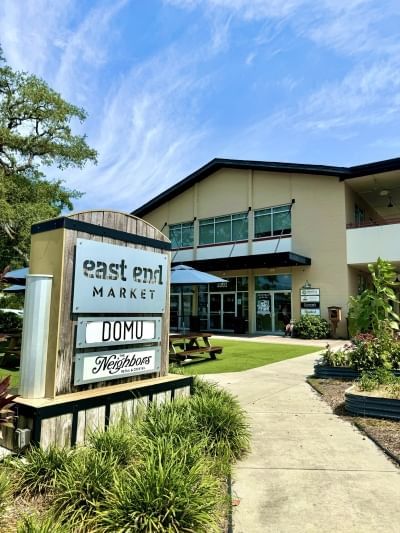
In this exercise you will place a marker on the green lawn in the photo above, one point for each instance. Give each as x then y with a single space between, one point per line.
14 376
243 355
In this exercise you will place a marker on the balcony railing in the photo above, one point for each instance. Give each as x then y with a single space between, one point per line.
372 223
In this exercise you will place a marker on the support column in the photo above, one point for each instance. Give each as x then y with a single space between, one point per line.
35 336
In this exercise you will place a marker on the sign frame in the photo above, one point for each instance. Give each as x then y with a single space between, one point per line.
83 321
81 356
111 279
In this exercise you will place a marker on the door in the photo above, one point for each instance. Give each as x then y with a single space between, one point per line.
180 311
273 311
222 311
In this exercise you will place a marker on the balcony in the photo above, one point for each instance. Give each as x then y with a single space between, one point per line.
365 243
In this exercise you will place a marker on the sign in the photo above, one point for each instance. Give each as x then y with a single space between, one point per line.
309 292
310 302
117 279
103 331
310 305
315 312
99 366
311 298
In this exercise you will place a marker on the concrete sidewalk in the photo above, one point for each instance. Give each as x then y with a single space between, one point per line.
309 471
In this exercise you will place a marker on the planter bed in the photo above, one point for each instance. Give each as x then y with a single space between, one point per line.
339 372
367 405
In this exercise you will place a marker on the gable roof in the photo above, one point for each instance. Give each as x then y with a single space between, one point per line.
342 173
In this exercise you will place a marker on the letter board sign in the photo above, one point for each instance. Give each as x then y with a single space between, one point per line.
93 332
101 366
117 279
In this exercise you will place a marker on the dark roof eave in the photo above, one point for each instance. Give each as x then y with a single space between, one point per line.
342 173
279 259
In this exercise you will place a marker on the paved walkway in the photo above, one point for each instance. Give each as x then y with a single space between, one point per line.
309 471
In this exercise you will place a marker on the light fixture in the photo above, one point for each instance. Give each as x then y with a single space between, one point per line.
306 285
383 192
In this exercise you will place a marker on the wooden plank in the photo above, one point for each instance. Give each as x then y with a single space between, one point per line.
47 435
115 413
80 430
95 420
76 396
63 429
183 392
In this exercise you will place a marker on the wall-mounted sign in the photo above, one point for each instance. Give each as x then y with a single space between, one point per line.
96 331
309 292
117 279
100 366
310 302
315 312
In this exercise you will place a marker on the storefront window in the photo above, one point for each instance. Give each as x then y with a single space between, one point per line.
280 282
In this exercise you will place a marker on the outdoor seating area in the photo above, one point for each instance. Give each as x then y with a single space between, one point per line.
185 347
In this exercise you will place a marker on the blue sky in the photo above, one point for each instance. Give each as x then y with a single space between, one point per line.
171 84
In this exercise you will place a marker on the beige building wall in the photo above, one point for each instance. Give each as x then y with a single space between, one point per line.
319 218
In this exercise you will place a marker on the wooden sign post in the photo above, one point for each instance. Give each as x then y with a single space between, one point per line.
108 327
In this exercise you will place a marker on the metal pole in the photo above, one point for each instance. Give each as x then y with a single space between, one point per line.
35 335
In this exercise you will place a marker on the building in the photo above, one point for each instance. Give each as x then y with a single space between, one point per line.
272 230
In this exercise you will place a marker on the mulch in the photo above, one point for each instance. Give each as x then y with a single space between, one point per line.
385 433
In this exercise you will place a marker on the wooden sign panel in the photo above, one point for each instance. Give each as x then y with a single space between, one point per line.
114 245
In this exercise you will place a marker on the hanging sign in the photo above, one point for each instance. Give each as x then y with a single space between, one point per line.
96 331
117 279
99 366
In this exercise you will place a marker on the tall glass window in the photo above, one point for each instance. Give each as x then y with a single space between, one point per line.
227 228
272 221
181 235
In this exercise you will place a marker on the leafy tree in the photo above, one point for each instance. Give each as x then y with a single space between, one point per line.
371 310
35 132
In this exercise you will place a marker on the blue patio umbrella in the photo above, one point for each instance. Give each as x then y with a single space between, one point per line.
18 277
186 275
15 288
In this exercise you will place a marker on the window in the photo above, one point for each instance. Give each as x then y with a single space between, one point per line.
272 221
227 228
181 235
359 215
280 282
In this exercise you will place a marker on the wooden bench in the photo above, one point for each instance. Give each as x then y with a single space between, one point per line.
212 350
191 345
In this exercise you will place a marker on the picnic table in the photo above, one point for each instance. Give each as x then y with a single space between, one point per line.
185 346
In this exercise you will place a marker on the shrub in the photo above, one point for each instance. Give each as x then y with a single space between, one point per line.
82 484
5 491
220 418
48 523
170 489
371 380
311 327
39 470
174 420
370 352
10 322
336 358
374 305
117 441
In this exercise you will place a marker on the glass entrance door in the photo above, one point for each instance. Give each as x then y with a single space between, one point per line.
273 311
180 311
222 311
